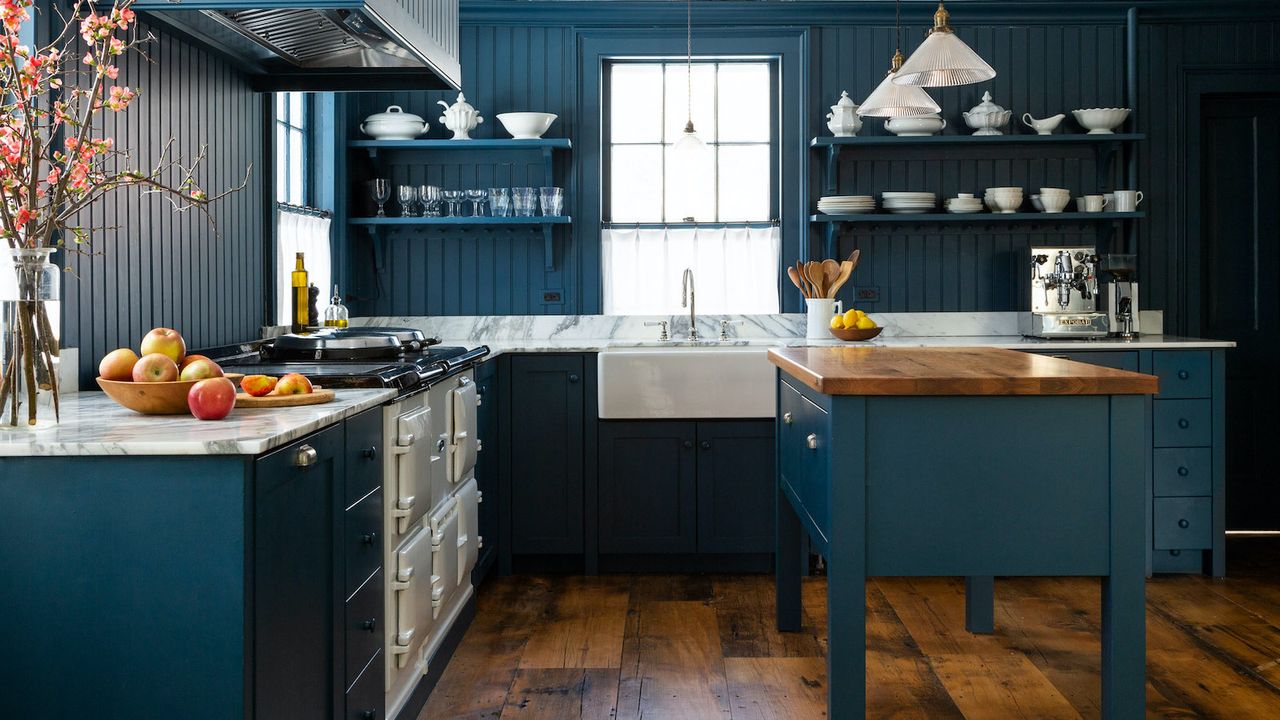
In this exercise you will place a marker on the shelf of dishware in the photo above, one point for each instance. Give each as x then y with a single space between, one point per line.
463 220
1024 139
472 144
978 218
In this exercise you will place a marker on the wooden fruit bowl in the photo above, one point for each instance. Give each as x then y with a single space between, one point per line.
855 334
154 398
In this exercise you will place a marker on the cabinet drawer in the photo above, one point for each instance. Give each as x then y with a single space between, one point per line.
1182 423
364 456
1183 472
1183 373
1182 523
804 447
363 540
1120 360
365 699
364 628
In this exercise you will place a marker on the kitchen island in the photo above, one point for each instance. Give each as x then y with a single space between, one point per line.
970 462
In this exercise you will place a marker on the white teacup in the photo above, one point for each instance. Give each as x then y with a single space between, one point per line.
1091 203
818 317
1127 200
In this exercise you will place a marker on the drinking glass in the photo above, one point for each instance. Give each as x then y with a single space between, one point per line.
525 201
499 202
478 199
408 196
381 189
429 196
454 199
552 201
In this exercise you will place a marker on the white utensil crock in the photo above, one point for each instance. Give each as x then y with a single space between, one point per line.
818 320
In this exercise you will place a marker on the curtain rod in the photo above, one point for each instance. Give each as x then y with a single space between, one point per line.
303 210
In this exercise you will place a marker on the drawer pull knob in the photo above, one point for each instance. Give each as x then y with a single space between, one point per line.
306 457
371 624
369 715
370 453
1183 374
788 418
1184 423
573 377
1184 523
812 441
368 538
1175 553
688 444
1183 471
706 445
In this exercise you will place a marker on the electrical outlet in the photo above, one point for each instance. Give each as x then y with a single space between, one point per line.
551 296
868 294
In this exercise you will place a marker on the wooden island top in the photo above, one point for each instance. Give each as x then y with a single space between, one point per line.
951 371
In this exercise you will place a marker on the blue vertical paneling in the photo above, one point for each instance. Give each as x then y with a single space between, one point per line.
148 266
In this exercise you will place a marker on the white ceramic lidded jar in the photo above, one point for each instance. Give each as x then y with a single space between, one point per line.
986 118
843 120
460 117
394 124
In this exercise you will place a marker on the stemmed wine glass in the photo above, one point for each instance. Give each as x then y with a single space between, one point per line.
454 198
381 194
478 199
429 196
408 199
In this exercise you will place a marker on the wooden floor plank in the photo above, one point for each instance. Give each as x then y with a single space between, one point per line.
781 688
681 669
900 681
562 694
582 627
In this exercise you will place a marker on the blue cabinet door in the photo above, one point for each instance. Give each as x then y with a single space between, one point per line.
487 465
297 494
648 499
547 420
736 486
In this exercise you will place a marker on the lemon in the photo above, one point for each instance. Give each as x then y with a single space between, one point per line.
865 323
850 317
837 322
861 313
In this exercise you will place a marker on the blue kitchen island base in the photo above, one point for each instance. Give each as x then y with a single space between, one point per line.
974 486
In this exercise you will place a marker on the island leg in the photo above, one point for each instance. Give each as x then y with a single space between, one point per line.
1124 630
787 564
847 633
979 604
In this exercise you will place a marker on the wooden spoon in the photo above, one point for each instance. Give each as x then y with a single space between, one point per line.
854 256
795 280
804 281
813 271
830 271
846 269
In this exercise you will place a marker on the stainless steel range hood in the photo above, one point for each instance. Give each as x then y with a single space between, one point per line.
329 45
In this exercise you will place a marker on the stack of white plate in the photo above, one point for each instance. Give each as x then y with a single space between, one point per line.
846 204
909 202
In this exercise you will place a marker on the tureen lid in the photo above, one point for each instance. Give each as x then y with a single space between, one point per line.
395 112
461 104
844 102
986 106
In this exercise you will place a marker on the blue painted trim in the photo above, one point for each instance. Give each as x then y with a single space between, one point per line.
976 140
979 218
465 220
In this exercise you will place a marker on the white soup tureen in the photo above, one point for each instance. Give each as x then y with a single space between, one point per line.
843 120
394 124
460 117
986 118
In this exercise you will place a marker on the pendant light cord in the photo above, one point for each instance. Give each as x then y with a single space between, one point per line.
897 24
688 68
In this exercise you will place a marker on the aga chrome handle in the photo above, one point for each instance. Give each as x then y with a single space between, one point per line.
305 457
787 418
811 441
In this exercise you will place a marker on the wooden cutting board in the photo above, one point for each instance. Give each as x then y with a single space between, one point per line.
320 395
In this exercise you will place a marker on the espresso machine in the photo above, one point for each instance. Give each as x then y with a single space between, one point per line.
1121 293
1064 294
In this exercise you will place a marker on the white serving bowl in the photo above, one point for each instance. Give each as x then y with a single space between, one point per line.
526 125
1053 203
1101 121
916 125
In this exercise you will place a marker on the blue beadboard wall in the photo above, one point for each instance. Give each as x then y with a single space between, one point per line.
158 267
1049 61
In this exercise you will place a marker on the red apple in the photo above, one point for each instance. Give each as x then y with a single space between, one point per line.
293 384
200 370
166 342
155 368
212 398
190 359
118 365
258 385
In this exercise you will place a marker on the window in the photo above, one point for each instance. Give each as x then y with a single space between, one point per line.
733 112
291 148
708 211
297 232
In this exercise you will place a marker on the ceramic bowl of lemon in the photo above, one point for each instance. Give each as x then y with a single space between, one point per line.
854 325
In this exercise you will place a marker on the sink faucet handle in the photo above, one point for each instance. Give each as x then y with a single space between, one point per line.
662 336
724 327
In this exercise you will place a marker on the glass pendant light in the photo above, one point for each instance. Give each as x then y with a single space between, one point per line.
687 150
943 59
890 100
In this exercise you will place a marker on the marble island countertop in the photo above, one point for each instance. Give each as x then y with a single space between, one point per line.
93 424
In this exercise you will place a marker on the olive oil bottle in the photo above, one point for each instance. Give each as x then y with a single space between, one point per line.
300 316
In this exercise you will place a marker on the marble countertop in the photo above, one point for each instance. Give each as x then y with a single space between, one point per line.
93 424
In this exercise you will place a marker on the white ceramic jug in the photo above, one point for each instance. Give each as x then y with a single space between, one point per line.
818 321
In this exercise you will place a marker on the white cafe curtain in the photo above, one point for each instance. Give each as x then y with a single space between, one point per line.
735 269
309 234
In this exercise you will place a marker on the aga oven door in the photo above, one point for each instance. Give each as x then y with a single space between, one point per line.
463 426
414 461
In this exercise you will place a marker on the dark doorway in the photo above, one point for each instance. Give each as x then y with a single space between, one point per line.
1240 292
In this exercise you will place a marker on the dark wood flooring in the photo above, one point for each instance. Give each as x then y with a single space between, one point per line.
700 647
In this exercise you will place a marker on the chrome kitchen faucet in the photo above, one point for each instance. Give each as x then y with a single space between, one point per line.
686 300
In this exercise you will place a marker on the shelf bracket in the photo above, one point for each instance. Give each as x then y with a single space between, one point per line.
548 247
548 166
833 170
379 248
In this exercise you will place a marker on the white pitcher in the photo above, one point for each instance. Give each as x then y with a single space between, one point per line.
818 321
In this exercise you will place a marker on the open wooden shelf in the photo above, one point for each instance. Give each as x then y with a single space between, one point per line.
1062 139
464 220
980 218
473 144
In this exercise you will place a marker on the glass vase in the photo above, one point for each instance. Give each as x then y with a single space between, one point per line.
30 293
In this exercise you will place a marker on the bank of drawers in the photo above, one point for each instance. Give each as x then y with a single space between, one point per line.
363 626
1182 460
